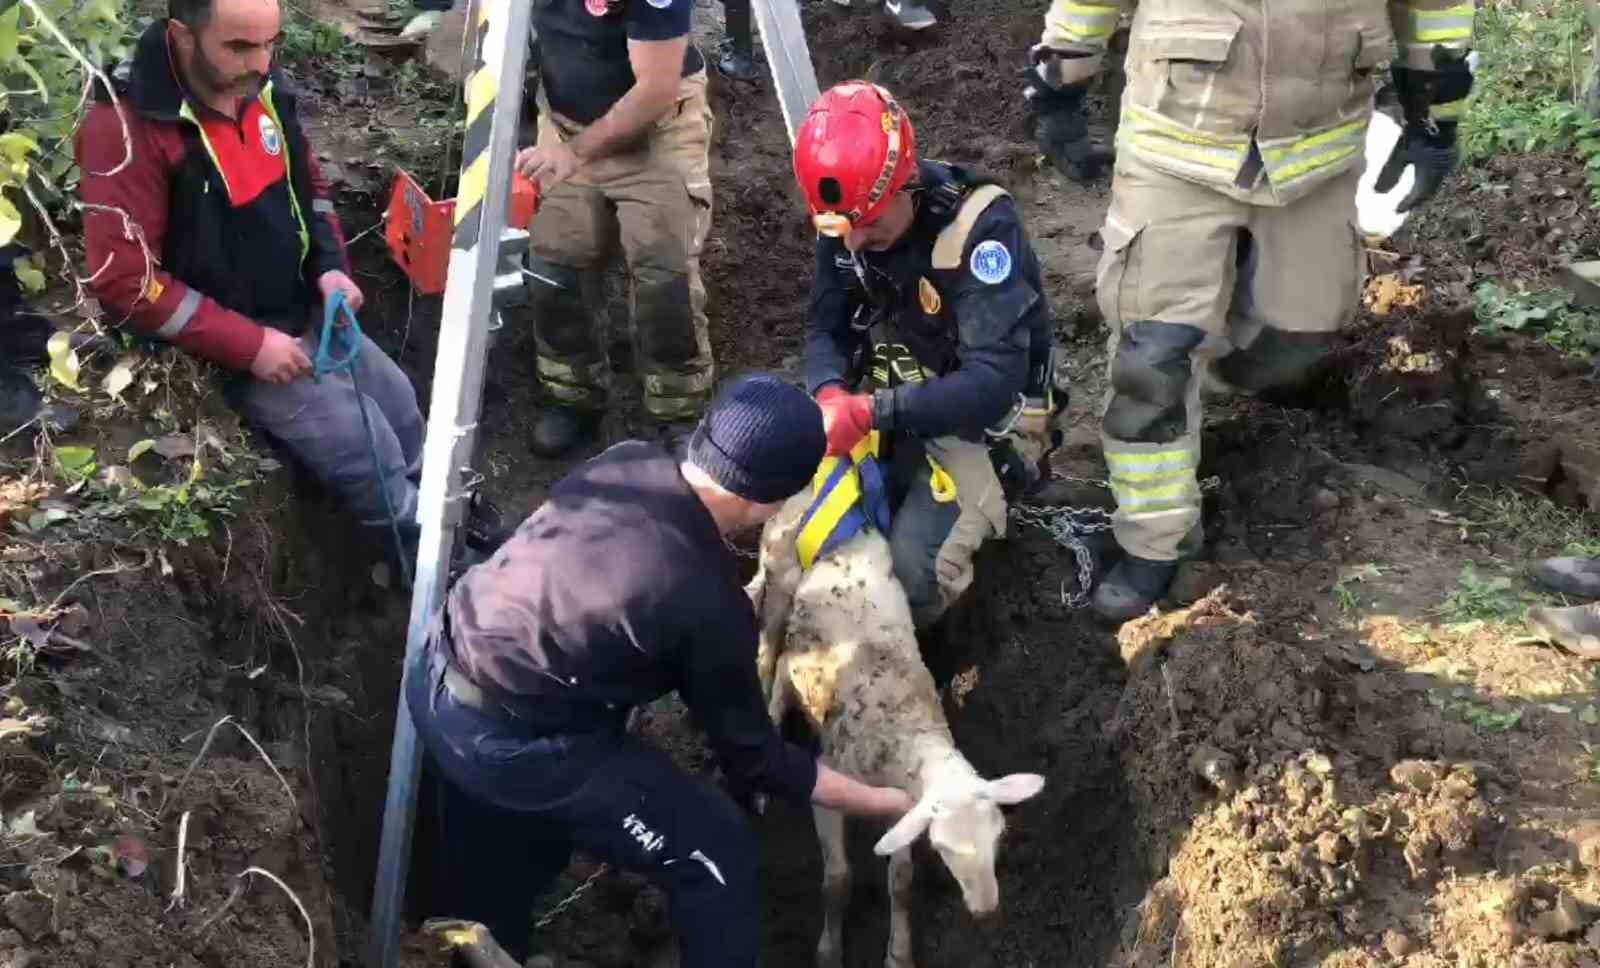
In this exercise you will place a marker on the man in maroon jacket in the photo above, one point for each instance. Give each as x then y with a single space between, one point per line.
209 225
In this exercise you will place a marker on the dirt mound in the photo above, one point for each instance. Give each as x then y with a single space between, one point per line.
1269 774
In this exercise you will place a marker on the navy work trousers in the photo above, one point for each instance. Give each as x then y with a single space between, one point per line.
514 807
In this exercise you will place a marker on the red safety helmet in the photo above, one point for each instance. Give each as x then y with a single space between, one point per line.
854 150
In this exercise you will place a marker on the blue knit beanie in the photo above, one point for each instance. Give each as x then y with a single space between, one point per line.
762 439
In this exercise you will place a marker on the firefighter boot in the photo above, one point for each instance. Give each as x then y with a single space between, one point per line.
910 14
1133 586
1576 629
560 429
736 60
1578 577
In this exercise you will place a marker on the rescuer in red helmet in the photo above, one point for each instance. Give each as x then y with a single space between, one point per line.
928 324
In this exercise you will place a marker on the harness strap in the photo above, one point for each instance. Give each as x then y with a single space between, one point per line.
952 240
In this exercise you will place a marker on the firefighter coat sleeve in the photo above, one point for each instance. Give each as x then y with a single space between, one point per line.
831 341
1421 25
991 297
124 186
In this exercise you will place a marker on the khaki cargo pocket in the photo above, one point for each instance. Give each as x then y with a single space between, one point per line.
1374 48
1111 280
1183 59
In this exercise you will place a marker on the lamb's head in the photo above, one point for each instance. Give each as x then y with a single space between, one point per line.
963 821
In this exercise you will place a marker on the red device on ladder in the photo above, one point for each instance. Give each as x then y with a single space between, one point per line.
418 229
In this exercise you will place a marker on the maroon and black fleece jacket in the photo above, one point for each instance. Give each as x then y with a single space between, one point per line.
234 212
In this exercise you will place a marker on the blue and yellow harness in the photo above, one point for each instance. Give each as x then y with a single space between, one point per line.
852 495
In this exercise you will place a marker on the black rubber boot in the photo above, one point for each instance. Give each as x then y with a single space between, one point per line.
559 430
736 62
1133 586
20 400
485 528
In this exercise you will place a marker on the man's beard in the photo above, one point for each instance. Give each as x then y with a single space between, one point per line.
211 77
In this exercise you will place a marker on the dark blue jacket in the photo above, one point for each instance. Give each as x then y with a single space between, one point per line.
981 328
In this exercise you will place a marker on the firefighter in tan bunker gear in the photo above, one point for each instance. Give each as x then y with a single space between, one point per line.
1231 254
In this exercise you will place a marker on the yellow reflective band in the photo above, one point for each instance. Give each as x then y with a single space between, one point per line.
1173 149
1165 474
1160 491
1144 459
1190 136
1317 140
940 483
1442 26
1082 21
1300 169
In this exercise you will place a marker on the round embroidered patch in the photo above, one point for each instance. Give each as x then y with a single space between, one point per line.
596 8
271 140
660 4
991 262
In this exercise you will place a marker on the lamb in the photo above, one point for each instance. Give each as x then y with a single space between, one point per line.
838 643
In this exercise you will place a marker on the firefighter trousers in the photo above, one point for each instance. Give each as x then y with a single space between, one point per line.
1197 286
654 202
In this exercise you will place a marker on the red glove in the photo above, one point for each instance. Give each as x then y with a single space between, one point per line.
846 418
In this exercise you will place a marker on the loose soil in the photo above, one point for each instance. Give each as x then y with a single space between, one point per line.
1302 760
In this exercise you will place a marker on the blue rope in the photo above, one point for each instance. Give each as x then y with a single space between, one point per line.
338 349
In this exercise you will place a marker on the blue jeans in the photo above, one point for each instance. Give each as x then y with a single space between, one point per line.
515 806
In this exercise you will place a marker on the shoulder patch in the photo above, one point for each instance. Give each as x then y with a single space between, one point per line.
991 262
271 140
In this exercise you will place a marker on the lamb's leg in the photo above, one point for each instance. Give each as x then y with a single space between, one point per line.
835 886
900 874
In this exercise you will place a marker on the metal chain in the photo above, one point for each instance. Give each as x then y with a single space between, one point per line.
572 898
1068 526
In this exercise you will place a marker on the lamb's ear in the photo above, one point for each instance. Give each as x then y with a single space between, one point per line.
904 833
1014 788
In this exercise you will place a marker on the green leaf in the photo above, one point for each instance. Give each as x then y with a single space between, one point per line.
10 221
1590 716
139 449
9 33
63 360
10 605
75 458
17 146
31 278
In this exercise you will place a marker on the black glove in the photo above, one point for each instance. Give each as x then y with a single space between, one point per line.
1061 127
1428 144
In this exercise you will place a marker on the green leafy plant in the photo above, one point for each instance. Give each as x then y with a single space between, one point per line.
48 50
1478 598
1479 715
1526 96
1548 313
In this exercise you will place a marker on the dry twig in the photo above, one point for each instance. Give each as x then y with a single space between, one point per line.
178 896
206 747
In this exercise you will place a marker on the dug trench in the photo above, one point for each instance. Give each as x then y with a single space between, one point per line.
1304 760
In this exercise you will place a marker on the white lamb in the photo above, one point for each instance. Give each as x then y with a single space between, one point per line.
837 642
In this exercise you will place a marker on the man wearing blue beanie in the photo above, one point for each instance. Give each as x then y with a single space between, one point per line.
618 590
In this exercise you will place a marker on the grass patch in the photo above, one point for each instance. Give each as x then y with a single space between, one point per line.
1344 594
1527 95
1531 524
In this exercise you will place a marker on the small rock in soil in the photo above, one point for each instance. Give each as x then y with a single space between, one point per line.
1587 837
1398 944
1215 767
1562 920
28 912
1419 776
